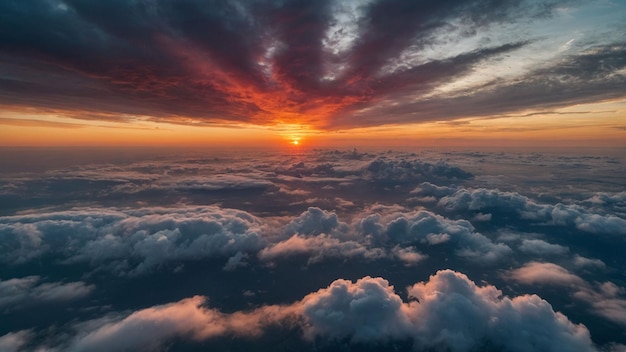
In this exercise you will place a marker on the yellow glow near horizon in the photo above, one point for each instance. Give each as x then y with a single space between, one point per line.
590 124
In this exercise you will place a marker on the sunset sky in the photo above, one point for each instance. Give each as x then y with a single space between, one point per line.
243 73
313 175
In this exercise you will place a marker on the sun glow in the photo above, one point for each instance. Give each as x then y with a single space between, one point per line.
295 142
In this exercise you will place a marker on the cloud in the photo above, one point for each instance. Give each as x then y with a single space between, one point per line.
130 241
408 255
365 311
15 341
30 290
150 328
605 299
511 202
540 247
398 233
424 227
604 198
448 311
454 311
318 248
402 171
236 261
315 221
583 262
544 274
138 241
324 63
574 76
427 188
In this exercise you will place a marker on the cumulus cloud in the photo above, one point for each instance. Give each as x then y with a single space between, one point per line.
141 240
476 200
396 233
453 310
448 311
424 227
30 290
315 221
365 311
131 241
611 199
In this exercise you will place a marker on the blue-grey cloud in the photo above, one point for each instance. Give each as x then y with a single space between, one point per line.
331 64
448 311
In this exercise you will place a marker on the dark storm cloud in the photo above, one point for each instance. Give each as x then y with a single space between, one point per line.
262 61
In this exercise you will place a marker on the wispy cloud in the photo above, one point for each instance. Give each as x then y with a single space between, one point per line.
319 63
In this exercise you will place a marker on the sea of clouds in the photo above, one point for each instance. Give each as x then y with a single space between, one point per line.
324 250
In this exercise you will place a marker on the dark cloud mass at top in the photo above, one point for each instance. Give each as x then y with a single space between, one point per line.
332 64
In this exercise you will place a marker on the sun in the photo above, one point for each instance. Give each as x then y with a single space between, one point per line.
295 142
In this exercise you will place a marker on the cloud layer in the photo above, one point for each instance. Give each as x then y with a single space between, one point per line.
207 251
448 311
331 64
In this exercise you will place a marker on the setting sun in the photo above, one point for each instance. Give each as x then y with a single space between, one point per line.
295 142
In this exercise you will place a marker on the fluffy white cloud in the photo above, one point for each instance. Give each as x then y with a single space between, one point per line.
315 221
426 228
398 171
131 241
560 214
452 310
368 310
448 311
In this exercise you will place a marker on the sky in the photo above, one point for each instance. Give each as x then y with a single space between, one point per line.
315 176
250 73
